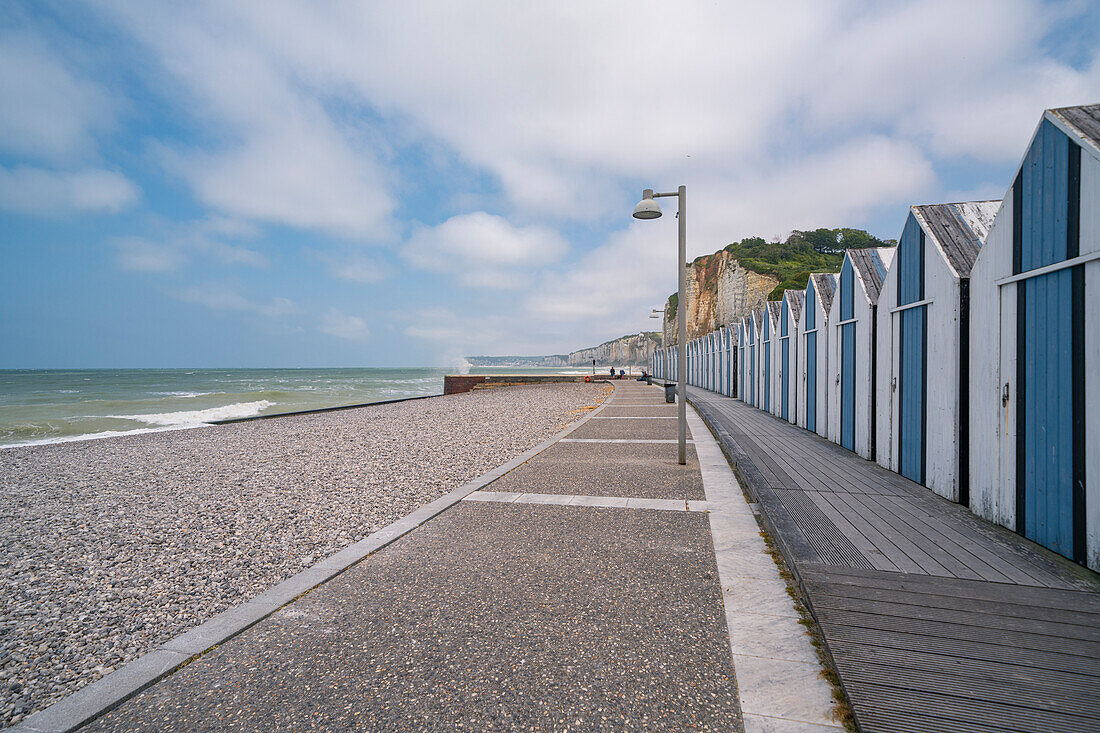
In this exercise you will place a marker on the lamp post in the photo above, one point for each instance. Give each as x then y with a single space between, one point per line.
647 208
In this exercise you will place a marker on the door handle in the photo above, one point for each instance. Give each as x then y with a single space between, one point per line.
1004 395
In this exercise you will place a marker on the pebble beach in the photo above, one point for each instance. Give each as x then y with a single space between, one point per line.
111 547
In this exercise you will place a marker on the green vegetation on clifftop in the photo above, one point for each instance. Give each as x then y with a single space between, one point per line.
792 261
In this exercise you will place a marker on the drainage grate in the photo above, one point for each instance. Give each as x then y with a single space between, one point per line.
833 547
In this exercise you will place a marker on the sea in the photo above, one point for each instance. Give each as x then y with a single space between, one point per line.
53 406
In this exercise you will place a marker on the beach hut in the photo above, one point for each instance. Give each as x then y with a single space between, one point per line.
772 351
742 353
757 357
732 386
788 354
716 360
748 360
1035 345
852 346
923 368
774 319
813 355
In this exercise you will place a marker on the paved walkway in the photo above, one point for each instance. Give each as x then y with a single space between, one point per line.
599 585
936 620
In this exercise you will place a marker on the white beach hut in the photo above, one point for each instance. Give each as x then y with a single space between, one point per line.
923 349
772 311
852 325
789 345
1035 345
758 318
814 375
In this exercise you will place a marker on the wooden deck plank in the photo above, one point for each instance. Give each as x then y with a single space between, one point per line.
954 710
982 609
917 560
1046 661
854 535
1041 698
947 627
1018 679
991 554
1085 597
867 531
933 543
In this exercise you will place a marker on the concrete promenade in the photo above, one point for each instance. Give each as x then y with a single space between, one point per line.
598 585
936 619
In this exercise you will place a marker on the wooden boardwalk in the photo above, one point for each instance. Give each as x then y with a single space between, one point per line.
936 620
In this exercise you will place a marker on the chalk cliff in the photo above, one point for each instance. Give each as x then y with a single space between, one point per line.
720 292
724 287
633 350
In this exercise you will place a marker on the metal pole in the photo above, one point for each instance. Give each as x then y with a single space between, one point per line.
681 325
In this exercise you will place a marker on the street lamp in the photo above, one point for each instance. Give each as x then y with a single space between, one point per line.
647 208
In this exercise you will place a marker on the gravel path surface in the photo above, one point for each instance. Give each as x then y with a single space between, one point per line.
110 547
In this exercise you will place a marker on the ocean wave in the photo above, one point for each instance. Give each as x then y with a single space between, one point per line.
200 417
97 436
181 394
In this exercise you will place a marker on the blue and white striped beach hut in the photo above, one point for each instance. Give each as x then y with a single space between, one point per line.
923 365
789 344
756 335
772 310
1035 345
852 325
814 374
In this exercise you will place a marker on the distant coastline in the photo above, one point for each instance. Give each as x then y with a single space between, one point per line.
632 350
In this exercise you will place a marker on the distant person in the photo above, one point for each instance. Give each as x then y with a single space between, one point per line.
612 372
644 376
622 373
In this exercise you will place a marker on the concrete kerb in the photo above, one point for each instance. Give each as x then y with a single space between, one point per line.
107 693
779 678
754 484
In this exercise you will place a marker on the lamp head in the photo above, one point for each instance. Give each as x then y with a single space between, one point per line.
647 208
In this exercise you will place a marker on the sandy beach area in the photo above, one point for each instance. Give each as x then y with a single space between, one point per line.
110 547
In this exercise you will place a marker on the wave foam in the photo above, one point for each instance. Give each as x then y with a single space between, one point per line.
181 394
96 436
200 417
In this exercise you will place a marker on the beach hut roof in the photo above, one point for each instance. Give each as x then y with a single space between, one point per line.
1084 120
795 299
775 309
959 229
825 285
871 265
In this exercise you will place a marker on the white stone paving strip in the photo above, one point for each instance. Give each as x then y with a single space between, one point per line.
779 677
615 440
633 417
619 502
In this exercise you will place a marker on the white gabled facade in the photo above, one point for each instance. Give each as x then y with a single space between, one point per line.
922 368
1035 401
852 320
813 354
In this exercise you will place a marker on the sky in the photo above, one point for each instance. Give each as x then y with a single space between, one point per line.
271 183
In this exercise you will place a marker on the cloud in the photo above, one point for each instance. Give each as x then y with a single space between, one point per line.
276 153
352 266
183 243
143 255
341 325
226 298
483 250
50 111
41 192
750 86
